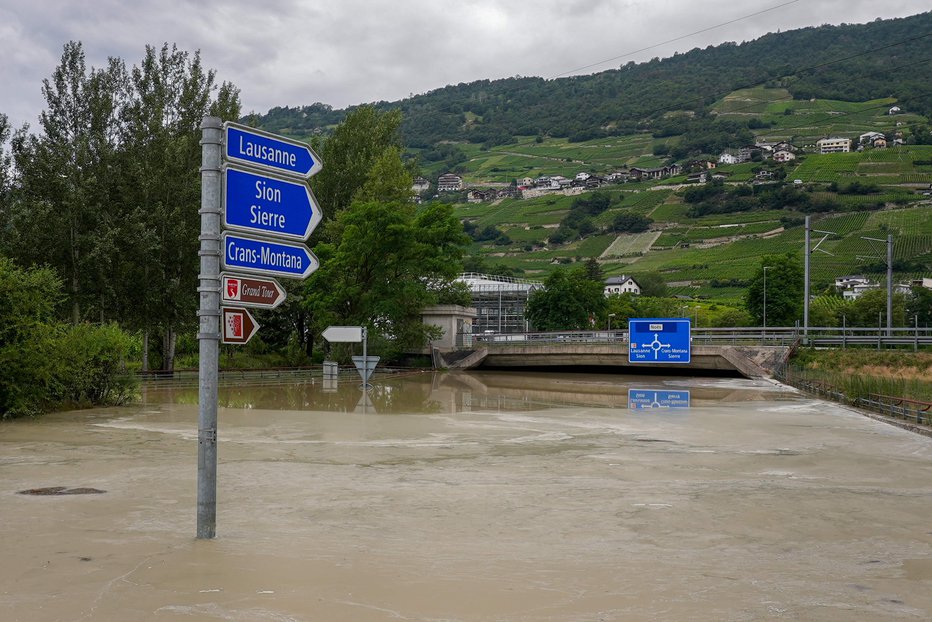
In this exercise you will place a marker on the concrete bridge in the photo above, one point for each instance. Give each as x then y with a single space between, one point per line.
748 361
750 352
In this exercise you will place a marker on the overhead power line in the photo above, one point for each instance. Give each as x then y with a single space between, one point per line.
675 39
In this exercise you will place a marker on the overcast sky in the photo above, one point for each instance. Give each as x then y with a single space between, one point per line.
342 52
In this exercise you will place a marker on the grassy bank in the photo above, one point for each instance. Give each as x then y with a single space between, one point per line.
858 372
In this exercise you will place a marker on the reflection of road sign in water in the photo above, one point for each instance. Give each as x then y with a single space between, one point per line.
238 326
659 340
642 399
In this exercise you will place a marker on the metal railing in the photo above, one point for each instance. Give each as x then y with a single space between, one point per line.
771 336
902 408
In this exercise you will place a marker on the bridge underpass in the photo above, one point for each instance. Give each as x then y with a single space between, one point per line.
750 352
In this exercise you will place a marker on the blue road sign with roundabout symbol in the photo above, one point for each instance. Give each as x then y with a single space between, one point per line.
659 340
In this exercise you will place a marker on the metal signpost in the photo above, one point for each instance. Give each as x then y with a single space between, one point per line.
365 364
263 193
659 340
645 399
249 291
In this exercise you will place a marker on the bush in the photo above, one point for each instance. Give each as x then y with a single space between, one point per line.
47 364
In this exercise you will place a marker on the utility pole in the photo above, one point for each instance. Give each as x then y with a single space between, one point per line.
765 299
889 242
808 251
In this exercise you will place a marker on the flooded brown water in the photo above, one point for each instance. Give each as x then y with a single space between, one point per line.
471 497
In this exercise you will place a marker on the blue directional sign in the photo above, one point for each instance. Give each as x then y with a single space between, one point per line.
255 256
269 151
658 340
643 399
268 205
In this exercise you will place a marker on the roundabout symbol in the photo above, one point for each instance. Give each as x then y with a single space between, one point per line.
655 345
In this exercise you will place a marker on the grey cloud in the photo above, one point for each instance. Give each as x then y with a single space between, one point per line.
345 52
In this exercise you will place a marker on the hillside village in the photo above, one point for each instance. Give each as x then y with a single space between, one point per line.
696 170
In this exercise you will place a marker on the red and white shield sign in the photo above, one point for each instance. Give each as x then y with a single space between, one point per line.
232 287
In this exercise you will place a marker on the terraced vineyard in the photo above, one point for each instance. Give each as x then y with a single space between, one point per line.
694 252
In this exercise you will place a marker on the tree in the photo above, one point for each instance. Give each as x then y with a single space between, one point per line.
568 301
919 306
386 264
784 291
870 309
593 271
629 222
350 154
170 93
65 215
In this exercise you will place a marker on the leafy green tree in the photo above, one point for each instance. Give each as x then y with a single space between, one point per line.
594 271
652 284
389 261
568 301
784 290
351 153
919 306
169 94
45 363
870 309
65 213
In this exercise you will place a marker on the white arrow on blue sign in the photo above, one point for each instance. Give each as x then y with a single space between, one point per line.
269 151
257 256
268 205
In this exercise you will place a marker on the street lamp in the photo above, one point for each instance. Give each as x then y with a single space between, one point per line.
765 297
610 316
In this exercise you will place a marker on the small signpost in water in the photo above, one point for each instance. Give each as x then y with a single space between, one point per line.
365 365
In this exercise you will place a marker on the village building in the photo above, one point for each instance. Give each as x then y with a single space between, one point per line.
448 182
621 285
834 145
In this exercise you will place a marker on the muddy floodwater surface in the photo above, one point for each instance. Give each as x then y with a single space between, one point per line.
470 497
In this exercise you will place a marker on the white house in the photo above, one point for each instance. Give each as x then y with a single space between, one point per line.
448 182
727 158
895 110
844 282
621 285
582 176
868 137
783 156
834 145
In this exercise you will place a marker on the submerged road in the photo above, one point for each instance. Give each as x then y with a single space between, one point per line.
471 497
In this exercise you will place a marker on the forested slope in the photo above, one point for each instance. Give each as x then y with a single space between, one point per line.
884 58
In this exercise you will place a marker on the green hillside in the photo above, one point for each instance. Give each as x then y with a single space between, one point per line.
796 86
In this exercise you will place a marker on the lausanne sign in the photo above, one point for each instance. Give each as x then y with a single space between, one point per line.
278 153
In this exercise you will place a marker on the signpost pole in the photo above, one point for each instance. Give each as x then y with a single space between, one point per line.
365 359
209 327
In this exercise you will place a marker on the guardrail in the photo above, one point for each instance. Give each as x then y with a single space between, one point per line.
913 410
771 336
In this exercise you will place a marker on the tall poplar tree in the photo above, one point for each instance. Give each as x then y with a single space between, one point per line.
170 93
65 214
